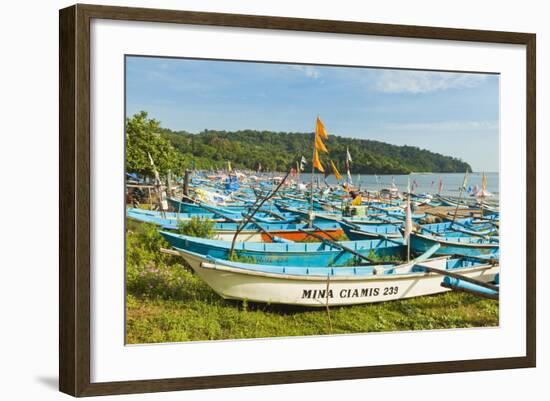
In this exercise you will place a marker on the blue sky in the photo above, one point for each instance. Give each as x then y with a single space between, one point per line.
456 114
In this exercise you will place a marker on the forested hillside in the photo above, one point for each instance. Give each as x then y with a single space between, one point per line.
278 150
274 151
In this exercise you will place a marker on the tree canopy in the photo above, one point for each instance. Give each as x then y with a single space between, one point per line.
274 151
143 137
277 151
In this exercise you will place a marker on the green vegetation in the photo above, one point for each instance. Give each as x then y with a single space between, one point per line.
197 227
143 138
205 316
166 302
276 151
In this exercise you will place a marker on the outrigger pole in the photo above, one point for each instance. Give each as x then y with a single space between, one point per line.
313 166
251 214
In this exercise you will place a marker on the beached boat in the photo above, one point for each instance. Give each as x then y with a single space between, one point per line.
203 208
290 232
253 231
287 254
171 219
460 227
455 245
357 232
332 286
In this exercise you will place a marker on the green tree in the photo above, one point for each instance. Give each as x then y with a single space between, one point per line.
142 138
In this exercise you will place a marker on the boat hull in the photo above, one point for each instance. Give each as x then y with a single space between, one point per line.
421 243
291 235
320 291
300 236
361 232
290 254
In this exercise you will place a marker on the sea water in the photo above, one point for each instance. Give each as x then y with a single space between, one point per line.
426 182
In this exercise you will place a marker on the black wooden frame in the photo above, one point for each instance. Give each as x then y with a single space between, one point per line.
74 199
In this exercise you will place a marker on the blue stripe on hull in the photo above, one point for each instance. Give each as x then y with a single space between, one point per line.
293 254
422 244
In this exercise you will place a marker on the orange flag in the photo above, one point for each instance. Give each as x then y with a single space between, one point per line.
319 145
335 171
316 162
320 129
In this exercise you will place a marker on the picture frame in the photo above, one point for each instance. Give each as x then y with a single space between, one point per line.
75 201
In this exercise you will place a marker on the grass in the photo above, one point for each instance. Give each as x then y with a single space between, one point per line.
166 302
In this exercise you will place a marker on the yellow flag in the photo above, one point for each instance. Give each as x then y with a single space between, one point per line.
335 171
319 145
316 162
320 129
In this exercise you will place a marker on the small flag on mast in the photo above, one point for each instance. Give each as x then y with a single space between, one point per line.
465 181
320 134
319 145
335 171
320 129
316 162
348 163
303 162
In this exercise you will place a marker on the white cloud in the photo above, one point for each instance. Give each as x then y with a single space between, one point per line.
309 71
425 81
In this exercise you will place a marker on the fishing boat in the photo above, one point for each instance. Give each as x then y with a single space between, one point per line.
303 254
460 227
261 230
357 232
455 245
335 286
198 208
167 219
273 232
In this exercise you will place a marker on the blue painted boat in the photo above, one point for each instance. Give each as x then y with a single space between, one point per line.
461 227
160 218
455 245
289 254
193 208
400 214
167 218
319 286
250 232
231 183
357 232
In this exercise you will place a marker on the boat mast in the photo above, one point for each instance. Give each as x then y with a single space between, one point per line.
312 164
